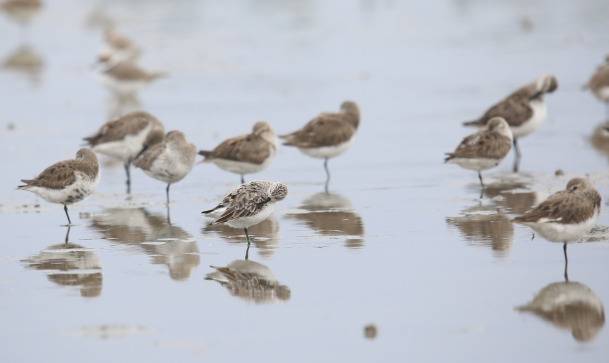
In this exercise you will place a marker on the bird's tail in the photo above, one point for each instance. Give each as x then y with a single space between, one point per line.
206 154
448 157
156 75
26 183
474 123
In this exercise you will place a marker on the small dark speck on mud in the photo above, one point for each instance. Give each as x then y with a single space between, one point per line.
370 331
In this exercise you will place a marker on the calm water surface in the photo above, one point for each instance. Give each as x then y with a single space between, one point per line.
401 241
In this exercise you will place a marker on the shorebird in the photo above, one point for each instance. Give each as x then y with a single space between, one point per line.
124 77
126 137
21 11
121 47
569 305
246 154
66 182
250 280
248 205
485 149
524 110
168 161
599 83
327 135
566 216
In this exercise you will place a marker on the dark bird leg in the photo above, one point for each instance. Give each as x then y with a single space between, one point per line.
247 251
66 240
327 174
65 209
517 156
481 184
242 179
167 193
564 249
128 172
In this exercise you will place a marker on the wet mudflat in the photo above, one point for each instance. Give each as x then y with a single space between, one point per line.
400 242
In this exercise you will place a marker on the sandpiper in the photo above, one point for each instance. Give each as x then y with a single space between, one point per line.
250 280
565 216
121 47
524 110
327 135
168 161
484 149
21 11
248 205
124 77
246 154
66 182
127 137
599 83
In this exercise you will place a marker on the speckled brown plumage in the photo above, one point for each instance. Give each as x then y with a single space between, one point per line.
63 173
129 124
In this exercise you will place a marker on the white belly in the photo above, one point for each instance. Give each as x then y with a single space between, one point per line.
556 232
170 168
477 164
246 222
127 148
242 168
539 115
328 151
602 94
122 87
77 191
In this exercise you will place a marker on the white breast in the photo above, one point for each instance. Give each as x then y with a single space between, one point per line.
557 232
328 151
539 115
246 222
243 168
127 148
170 166
477 164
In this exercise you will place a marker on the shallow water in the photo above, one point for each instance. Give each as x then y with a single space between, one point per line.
402 241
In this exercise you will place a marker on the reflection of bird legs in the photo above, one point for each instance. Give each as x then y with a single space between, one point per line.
564 249
517 156
168 215
242 179
481 184
128 172
327 174
66 240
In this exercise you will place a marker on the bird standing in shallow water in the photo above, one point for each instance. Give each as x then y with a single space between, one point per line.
168 161
566 216
126 137
327 135
66 182
484 149
524 110
245 154
599 84
248 205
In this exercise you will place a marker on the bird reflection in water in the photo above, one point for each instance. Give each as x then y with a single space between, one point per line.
569 305
250 280
165 243
331 214
264 235
511 195
600 138
69 264
485 226
25 61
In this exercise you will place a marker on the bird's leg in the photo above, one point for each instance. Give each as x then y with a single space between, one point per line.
167 193
564 249
65 209
517 156
327 174
247 251
128 173
242 179
66 241
532 236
